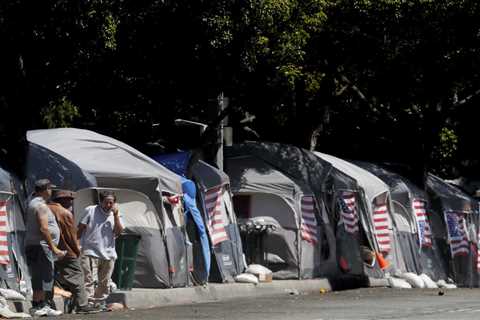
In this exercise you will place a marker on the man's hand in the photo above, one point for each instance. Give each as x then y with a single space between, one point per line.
59 253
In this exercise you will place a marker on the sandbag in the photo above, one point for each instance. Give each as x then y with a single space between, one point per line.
399 283
443 284
10 294
429 283
263 274
246 278
414 280
6 313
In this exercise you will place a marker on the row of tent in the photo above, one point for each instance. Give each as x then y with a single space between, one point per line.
328 211
325 211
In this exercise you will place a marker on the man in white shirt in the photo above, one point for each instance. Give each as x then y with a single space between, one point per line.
97 232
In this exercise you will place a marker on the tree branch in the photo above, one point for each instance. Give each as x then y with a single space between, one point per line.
466 99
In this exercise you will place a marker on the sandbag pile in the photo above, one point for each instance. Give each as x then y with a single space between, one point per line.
408 280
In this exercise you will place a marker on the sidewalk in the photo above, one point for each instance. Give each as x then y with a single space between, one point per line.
215 292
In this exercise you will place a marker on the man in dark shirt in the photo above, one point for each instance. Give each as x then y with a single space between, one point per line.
41 249
69 272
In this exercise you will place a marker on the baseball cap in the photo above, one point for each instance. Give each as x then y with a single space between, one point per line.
62 193
43 184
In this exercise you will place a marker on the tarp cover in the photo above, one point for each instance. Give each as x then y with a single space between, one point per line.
192 212
96 157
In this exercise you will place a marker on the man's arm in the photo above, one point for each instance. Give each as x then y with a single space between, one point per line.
117 226
42 216
80 230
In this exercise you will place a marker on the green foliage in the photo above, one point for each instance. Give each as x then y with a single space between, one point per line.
60 113
365 75
110 32
448 142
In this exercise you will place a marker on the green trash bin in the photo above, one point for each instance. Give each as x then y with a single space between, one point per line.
126 246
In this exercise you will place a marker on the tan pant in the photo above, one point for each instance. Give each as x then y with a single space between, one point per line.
100 270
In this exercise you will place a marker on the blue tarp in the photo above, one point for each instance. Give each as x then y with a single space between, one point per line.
178 163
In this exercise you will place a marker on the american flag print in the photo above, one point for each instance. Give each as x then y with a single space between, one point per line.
4 256
478 250
348 211
457 233
424 230
478 239
381 224
216 225
309 222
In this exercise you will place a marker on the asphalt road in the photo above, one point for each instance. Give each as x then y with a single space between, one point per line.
375 303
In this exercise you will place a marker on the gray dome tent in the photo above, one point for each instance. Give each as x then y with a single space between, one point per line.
378 225
413 219
265 183
87 162
455 226
13 267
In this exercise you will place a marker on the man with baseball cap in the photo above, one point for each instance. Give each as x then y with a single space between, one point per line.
42 236
69 271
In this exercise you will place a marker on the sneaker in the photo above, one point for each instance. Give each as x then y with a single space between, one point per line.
46 311
37 311
87 309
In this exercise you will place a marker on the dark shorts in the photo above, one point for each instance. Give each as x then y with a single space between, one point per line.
40 265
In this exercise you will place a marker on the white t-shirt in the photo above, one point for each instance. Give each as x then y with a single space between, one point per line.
98 239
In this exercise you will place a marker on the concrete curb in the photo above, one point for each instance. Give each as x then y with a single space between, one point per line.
212 292
152 298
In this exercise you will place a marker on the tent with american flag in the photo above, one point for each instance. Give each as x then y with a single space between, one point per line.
217 207
148 194
337 192
302 244
378 224
455 227
214 201
345 203
13 268
413 219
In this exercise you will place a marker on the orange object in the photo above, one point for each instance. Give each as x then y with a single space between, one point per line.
344 264
382 262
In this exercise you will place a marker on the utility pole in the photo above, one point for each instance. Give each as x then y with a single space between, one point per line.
222 103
